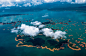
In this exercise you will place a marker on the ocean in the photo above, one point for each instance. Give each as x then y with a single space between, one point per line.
75 24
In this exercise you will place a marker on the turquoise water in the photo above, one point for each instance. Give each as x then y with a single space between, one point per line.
8 43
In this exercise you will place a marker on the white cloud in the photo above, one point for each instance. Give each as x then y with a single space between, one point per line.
35 2
65 0
41 26
11 0
59 34
14 30
36 23
49 33
29 30
80 1
17 0
45 16
34 31
7 3
27 4
26 30
69 1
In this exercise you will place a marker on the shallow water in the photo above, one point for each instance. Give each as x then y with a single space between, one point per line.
8 43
